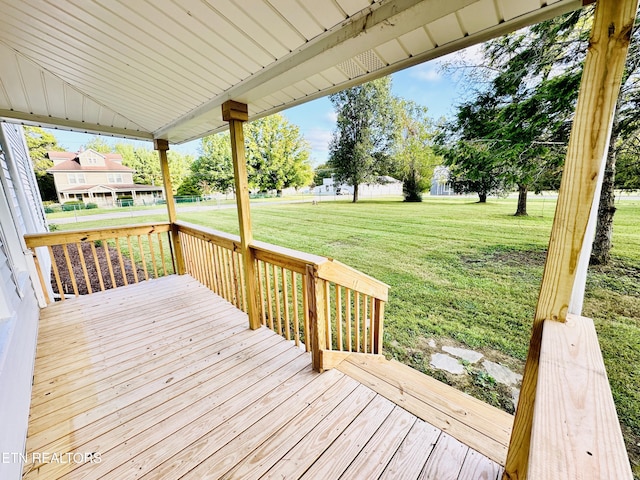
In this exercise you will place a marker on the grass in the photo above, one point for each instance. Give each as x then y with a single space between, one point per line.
466 274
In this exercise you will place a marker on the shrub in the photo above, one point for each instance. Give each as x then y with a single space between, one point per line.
90 206
73 205
48 210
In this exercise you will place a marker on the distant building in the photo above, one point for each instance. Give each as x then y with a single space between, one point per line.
440 182
98 178
384 185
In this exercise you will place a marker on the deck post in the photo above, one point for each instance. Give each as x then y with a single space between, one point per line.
316 298
236 114
162 146
586 155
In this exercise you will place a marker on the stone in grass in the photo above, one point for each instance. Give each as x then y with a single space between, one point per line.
501 374
442 361
468 355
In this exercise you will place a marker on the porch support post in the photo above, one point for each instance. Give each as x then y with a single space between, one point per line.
569 245
162 146
236 114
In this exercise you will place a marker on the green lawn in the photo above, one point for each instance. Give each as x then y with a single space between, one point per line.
466 274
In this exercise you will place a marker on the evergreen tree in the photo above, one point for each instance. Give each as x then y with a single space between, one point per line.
39 143
363 142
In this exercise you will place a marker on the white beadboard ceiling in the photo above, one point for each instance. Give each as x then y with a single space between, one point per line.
162 68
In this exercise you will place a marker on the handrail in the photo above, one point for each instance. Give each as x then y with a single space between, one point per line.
104 258
575 431
34 240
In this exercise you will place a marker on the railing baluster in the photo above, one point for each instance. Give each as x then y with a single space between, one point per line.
56 273
285 300
83 264
269 296
153 255
263 316
276 290
163 260
327 313
212 267
365 309
348 319
356 319
97 264
72 276
338 317
305 312
243 285
105 245
372 309
121 262
134 266
218 267
294 301
143 257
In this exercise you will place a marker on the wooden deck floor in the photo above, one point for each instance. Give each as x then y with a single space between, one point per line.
163 380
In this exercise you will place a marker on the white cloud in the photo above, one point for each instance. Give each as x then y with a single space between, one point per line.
319 139
426 72
331 116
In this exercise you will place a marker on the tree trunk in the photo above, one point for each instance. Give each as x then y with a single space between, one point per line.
355 193
521 211
601 251
483 197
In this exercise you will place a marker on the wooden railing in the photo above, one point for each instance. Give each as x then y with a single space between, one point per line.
575 432
298 292
103 258
318 303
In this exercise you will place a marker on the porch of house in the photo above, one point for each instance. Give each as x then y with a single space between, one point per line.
164 379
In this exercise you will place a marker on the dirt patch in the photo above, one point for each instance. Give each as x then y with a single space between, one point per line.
94 272
508 256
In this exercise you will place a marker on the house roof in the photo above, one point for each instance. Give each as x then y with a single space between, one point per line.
162 69
71 163
120 187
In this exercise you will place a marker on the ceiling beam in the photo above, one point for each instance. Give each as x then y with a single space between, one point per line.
22 118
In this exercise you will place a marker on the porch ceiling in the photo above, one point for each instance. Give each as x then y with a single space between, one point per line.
162 69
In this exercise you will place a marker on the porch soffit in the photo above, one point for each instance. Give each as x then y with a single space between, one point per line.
162 69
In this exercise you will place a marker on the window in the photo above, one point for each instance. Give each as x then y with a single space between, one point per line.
115 178
75 178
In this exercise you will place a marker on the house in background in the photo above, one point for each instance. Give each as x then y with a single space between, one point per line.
94 177
384 185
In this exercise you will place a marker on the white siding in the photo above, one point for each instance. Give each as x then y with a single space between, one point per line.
21 211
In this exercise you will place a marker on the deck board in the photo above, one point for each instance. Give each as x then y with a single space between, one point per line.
163 379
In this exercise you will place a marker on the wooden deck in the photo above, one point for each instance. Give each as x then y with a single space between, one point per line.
163 380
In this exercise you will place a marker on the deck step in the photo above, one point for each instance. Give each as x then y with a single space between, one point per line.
473 422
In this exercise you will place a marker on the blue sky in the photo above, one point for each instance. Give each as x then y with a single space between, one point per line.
425 84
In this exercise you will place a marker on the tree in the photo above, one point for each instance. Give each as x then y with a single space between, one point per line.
473 168
99 144
277 155
415 160
189 188
39 143
624 134
145 162
526 107
365 134
214 167
321 172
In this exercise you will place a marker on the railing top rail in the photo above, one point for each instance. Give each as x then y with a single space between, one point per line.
346 276
226 240
88 235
